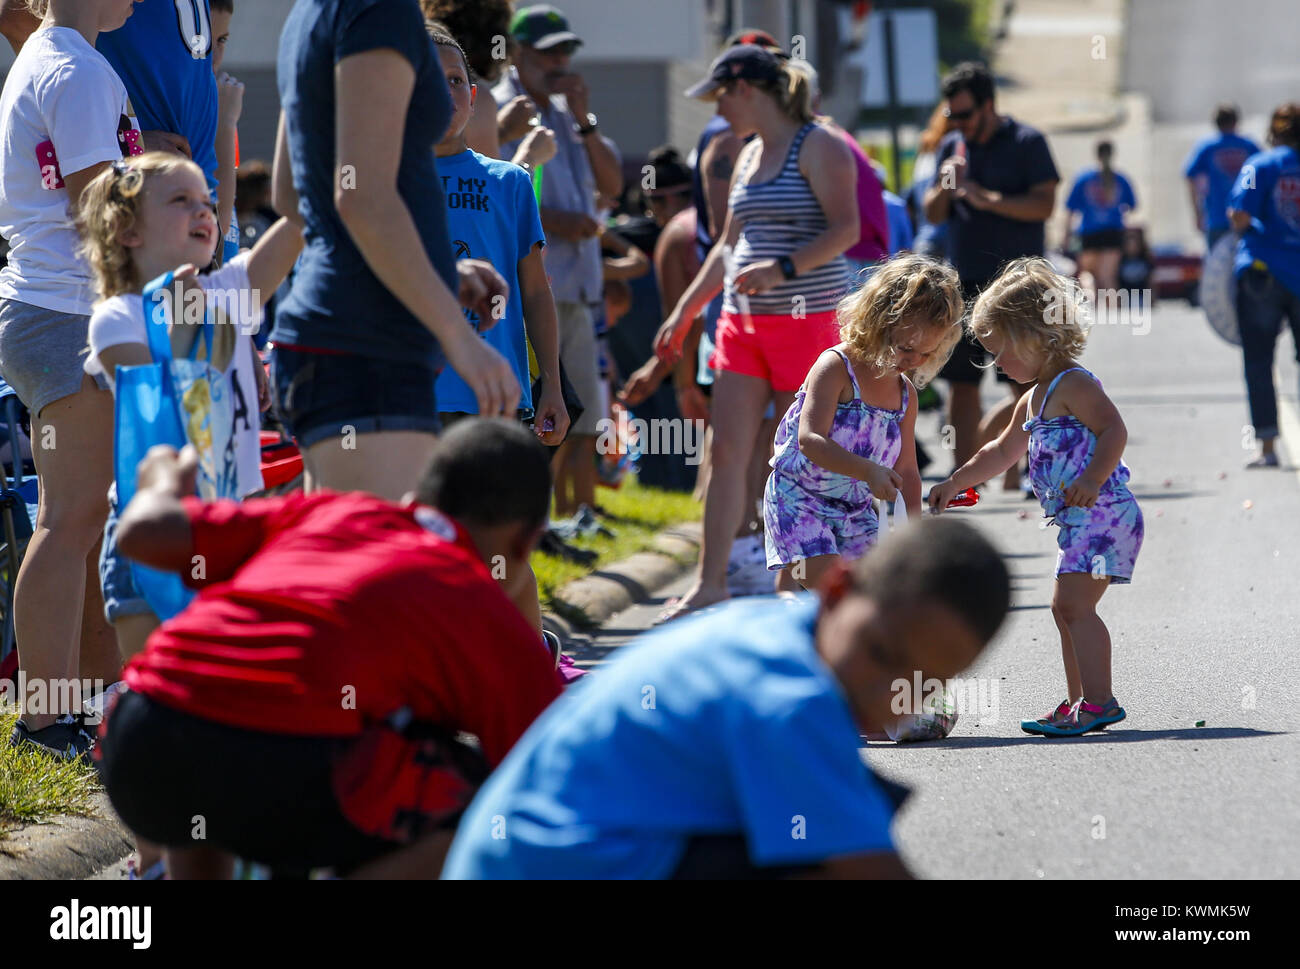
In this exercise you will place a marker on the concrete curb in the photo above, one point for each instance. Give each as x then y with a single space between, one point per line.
69 847
587 602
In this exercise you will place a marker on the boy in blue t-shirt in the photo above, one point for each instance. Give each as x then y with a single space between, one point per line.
492 215
726 745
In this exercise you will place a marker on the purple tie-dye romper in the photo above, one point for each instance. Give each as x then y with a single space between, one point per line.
808 510
1103 539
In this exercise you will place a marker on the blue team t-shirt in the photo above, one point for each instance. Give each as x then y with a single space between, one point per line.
337 302
491 215
1102 206
1218 159
728 723
163 54
900 223
1268 190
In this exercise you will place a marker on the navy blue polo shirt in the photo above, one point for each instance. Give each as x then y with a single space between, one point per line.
1014 160
337 302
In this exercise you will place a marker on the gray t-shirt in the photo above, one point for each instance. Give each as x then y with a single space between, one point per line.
568 184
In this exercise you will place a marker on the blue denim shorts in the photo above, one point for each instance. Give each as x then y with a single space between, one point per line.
122 597
323 395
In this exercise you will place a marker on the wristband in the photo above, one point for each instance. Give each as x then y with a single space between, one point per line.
788 269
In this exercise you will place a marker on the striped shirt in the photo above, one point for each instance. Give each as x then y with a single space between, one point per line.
776 218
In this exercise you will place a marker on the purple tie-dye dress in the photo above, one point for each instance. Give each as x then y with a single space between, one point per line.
1103 539
808 510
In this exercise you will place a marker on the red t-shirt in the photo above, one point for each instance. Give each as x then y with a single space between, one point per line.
319 614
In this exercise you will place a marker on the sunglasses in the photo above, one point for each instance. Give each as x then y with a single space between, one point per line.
952 115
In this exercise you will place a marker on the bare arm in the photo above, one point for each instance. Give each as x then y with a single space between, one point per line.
76 184
230 103
543 329
284 197
1036 205
827 382
992 459
827 164
718 163
1241 221
154 529
273 256
1084 399
906 464
630 263
122 355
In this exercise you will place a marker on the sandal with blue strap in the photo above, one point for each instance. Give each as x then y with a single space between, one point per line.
1060 713
1102 715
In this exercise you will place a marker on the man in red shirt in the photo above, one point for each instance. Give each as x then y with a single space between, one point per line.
302 712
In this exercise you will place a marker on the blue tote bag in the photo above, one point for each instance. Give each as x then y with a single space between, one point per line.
174 401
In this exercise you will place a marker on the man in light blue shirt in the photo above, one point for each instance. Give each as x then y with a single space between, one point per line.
726 745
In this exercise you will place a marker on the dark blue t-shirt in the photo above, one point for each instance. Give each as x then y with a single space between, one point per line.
337 302
163 54
1014 160
1218 159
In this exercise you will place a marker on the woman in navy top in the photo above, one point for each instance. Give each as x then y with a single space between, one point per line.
373 311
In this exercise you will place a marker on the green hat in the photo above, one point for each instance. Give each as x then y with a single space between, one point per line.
541 26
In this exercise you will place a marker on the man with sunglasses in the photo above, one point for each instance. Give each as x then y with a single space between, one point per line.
995 187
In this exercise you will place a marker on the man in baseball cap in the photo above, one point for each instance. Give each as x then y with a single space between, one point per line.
542 27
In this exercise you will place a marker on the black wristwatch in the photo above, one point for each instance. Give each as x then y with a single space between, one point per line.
787 267
590 126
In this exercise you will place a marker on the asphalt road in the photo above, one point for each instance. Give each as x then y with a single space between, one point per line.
1208 631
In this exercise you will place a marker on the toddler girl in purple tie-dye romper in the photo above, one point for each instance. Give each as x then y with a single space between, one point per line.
848 435
1030 319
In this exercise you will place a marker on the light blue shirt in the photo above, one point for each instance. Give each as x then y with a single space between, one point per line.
723 724
1218 159
568 184
491 215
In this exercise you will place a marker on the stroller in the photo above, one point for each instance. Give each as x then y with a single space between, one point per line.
18 503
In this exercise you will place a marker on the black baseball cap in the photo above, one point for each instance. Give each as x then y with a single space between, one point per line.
542 26
744 61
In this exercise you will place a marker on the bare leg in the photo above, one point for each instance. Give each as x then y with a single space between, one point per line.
99 658
525 598
565 506
738 403
756 480
387 464
786 582
814 570
132 632
964 412
1108 269
1075 601
73 452
584 470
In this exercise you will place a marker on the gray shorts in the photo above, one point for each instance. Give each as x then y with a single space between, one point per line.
578 354
42 353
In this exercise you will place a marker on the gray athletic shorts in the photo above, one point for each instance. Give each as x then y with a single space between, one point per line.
42 353
578 354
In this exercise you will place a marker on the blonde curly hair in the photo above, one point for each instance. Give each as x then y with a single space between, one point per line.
109 207
907 291
1034 308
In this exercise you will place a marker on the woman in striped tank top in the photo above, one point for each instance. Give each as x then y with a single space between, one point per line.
780 260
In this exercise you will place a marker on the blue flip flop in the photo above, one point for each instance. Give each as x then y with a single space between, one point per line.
1103 716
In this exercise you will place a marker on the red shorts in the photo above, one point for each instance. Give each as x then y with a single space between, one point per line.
779 349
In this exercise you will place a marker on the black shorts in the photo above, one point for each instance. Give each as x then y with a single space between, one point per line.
274 799
1102 239
320 395
969 359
